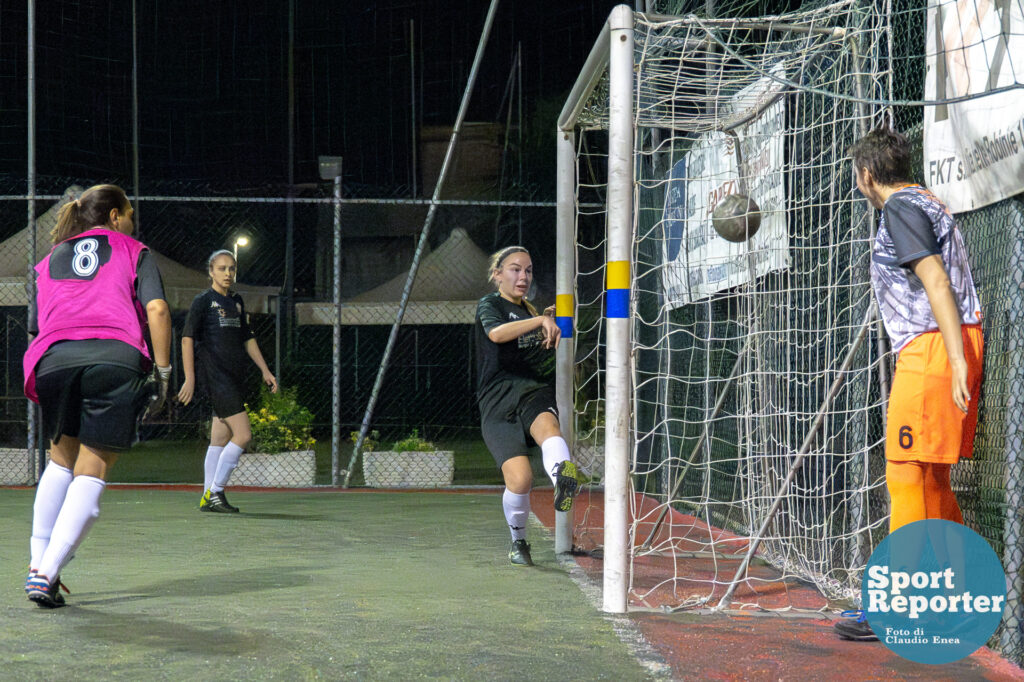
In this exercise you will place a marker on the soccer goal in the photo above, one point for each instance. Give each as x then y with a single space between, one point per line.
729 397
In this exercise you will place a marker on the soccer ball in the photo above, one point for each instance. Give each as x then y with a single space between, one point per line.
737 218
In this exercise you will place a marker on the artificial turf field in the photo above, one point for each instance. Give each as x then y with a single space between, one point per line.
377 585
301 585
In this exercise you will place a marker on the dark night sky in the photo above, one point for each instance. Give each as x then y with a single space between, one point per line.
213 112
213 82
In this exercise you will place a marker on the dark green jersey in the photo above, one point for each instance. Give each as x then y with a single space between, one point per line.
522 359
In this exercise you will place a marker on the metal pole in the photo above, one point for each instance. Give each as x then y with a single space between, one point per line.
617 373
412 100
30 279
277 337
424 234
135 120
519 129
565 271
819 418
289 240
336 344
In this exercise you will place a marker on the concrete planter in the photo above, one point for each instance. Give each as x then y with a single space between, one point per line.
281 470
409 469
17 467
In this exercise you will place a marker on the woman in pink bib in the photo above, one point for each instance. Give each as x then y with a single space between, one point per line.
98 290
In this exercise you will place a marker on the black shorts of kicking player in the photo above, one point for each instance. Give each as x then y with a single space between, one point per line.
507 431
97 404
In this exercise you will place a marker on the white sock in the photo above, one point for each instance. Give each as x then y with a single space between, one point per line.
554 451
517 511
210 465
226 463
50 493
80 510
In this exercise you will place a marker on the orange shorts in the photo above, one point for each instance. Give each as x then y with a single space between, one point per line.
923 423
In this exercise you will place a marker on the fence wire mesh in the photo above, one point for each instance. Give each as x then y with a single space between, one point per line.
429 387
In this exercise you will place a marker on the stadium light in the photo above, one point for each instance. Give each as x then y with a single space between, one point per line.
241 241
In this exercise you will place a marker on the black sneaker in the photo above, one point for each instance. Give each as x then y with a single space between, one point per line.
45 594
856 628
566 485
519 553
219 503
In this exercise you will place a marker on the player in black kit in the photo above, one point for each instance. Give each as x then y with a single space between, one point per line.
515 370
217 330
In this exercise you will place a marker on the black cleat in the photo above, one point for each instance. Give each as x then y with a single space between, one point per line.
519 553
219 503
566 485
856 629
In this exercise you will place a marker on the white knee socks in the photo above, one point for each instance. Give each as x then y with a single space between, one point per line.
50 493
517 511
226 463
554 451
210 465
80 510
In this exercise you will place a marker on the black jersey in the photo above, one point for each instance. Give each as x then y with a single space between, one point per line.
523 360
220 328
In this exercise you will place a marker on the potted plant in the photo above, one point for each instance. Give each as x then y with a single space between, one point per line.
281 452
410 463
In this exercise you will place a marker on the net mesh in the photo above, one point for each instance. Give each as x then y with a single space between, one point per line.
735 349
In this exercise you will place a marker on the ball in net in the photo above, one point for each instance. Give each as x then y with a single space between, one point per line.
737 218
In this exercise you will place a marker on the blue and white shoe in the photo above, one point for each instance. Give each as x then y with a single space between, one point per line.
44 593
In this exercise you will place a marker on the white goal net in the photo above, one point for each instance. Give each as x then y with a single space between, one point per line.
756 376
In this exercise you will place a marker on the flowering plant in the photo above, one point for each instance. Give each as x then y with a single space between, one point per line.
413 443
280 424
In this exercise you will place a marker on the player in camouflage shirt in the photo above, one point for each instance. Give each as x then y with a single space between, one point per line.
932 313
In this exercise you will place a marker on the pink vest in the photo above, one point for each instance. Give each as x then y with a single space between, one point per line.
94 298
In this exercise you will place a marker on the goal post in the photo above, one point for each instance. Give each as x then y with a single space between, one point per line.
732 385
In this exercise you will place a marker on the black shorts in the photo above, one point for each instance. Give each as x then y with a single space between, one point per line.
226 392
98 404
506 427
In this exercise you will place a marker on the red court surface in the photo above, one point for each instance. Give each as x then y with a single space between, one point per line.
765 646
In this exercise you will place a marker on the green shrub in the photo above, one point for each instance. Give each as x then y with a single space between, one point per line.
370 443
280 424
413 443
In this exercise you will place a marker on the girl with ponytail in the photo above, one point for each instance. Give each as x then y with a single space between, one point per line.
515 373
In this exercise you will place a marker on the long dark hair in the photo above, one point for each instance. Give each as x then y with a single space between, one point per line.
90 210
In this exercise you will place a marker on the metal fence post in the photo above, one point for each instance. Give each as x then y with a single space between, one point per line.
330 169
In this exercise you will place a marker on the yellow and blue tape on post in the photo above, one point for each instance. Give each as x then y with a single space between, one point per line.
563 314
617 295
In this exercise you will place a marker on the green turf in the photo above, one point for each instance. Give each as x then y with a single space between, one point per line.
181 461
322 585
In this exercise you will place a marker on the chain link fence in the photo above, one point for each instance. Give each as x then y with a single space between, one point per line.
429 389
